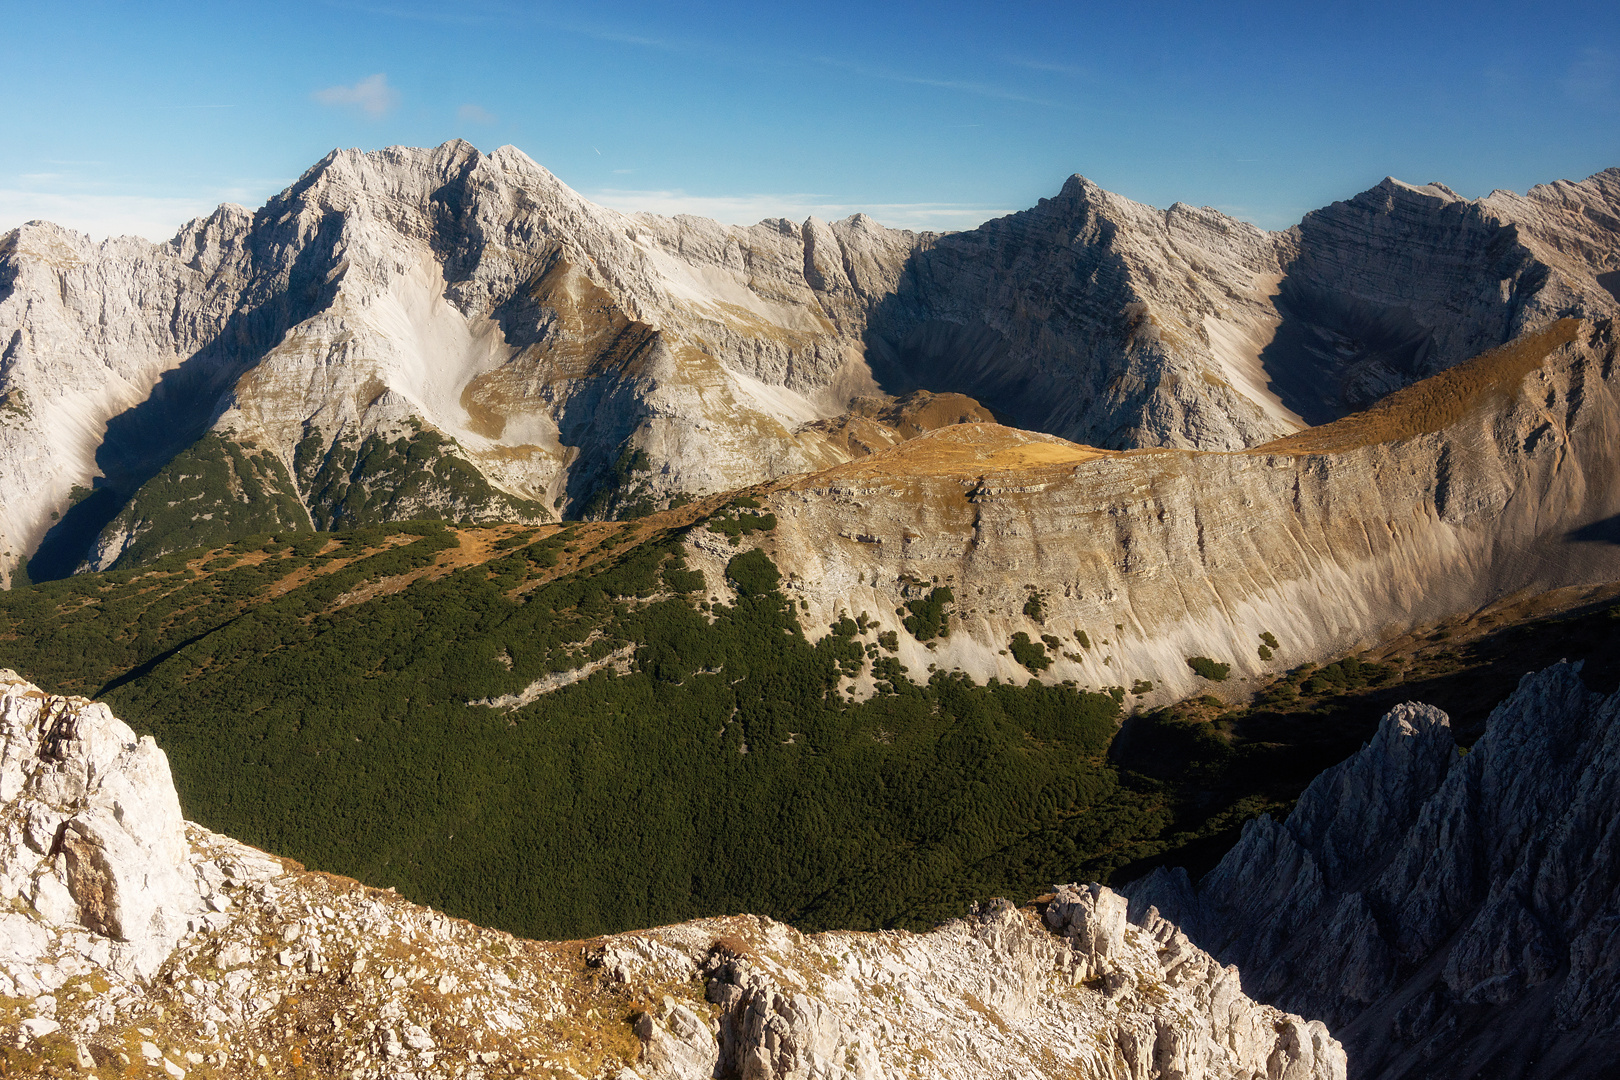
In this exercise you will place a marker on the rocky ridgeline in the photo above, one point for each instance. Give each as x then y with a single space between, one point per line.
1494 479
1451 914
548 355
134 943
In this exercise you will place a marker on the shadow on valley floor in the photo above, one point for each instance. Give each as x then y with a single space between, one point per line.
183 404
1224 765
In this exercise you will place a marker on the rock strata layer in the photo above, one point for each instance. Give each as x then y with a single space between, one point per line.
1451 914
440 332
1491 477
137 940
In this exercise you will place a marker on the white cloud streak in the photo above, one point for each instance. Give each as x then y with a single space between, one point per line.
102 216
475 114
978 89
1054 69
1594 79
752 208
371 95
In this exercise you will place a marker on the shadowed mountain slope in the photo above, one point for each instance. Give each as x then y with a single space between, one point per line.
445 333
1451 913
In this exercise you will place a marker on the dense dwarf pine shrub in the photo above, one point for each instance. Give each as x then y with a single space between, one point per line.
725 773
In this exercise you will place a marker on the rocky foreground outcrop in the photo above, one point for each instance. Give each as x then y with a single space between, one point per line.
135 941
1451 913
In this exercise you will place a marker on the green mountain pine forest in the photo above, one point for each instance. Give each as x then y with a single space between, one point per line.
328 696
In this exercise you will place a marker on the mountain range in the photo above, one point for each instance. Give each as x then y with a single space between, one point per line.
576 572
550 358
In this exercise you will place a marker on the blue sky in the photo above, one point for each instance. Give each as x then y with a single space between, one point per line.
126 117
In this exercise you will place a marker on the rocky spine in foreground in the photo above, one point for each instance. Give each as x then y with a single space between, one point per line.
135 939
1452 914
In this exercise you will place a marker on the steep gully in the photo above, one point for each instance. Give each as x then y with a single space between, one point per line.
546 338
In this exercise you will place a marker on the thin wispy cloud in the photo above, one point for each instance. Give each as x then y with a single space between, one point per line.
475 114
1594 78
1055 69
485 14
640 41
90 203
102 216
753 208
465 15
713 53
371 95
986 90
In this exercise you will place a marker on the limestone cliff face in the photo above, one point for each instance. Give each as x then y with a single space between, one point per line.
87 334
1118 325
1492 477
93 835
1451 914
535 340
1098 319
136 937
1402 281
529 354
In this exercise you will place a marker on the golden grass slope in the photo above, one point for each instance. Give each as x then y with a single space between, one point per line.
1438 401
967 450
962 451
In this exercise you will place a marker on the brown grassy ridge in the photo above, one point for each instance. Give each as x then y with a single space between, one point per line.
967 450
594 541
964 451
1436 402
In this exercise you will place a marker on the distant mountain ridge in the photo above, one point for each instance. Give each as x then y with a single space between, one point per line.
444 333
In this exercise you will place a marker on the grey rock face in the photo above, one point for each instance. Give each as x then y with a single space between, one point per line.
93 832
1095 318
1119 325
1162 555
1151 1005
1447 912
569 358
471 295
1357 322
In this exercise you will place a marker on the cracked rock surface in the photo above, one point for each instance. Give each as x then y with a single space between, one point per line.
1451 914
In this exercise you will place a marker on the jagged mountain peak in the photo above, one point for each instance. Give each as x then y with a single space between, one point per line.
1393 186
537 339
1078 186
1454 910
